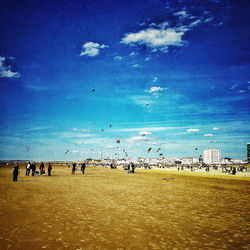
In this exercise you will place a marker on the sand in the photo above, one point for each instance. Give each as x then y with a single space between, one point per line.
111 209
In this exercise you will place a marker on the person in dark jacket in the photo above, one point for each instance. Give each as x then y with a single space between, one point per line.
49 169
33 168
15 172
41 168
74 168
83 166
133 168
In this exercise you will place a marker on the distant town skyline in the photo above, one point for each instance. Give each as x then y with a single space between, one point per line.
75 76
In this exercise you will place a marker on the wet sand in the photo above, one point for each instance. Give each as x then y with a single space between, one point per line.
111 209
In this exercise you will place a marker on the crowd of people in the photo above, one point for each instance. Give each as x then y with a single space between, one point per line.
31 167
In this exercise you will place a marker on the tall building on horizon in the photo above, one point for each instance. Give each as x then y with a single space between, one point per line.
248 152
211 156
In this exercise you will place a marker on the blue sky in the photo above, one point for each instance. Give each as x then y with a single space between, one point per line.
77 75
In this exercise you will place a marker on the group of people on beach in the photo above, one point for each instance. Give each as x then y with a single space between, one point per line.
31 167
83 166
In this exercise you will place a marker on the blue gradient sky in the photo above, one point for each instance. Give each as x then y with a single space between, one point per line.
169 74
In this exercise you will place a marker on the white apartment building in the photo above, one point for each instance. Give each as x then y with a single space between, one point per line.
211 156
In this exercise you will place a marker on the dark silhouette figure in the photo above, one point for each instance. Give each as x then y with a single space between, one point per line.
15 172
74 168
83 166
133 168
49 169
41 168
33 168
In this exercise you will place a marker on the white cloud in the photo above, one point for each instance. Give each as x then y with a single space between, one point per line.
241 91
75 151
118 58
110 146
215 128
195 23
234 86
155 89
163 25
145 133
81 130
182 14
208 135
209 19
147 59
152 129
155 79
135 65
36 87
193 130
6 70
135 139
91 49
156 39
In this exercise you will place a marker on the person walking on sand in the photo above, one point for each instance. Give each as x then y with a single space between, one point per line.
41 168
83 166
49 169
28 168
74 168
15 172
33 168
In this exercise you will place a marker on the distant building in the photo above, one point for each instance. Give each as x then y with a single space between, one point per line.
211 156
190 160
248 152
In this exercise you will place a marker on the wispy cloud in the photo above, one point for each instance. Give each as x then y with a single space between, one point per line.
215 129
81 130
151 129
208 135
6 70
135 139
234 86
141 100
74 135
193 130
91 49
182 13
154 89
145 133
155 79
118 58
195 23
209 19
241 91
35 88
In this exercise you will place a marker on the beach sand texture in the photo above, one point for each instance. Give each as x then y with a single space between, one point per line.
111 209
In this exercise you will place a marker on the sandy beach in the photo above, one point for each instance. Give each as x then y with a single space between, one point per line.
111 209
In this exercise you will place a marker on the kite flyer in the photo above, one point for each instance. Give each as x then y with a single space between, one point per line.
15 172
